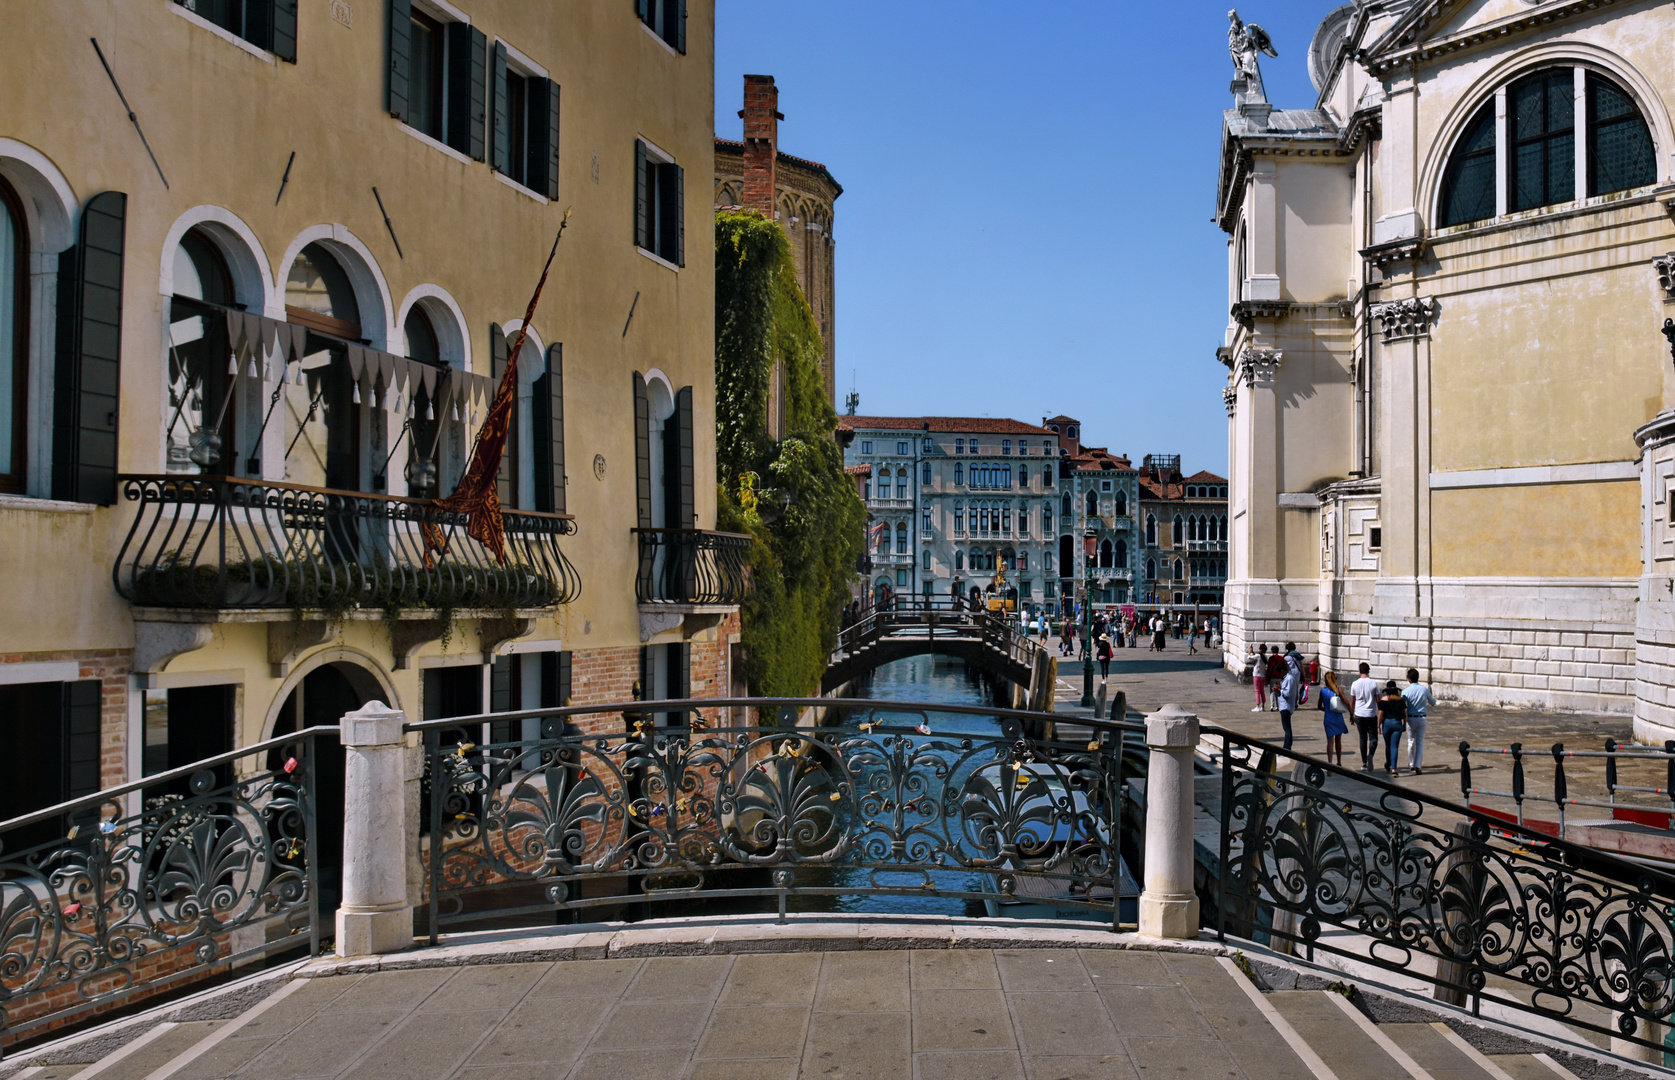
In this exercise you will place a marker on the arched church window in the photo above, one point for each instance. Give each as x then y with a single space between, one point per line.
1620 152
1542 110
1468 185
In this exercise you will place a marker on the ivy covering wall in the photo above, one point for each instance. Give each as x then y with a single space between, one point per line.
791 494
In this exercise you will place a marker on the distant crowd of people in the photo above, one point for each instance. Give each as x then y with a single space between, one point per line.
1381 715
1124 631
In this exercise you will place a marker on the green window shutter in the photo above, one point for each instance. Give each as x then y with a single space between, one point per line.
88 364
542 171
499 351
678 215
555 680
640 232
401 57
81 736
500 143
503 697
642 450
680 26
548 406
680 679
467 71
285 30
688 508
645 673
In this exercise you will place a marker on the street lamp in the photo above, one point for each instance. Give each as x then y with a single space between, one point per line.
1090 543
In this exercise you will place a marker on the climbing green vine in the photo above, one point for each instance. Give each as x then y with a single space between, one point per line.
791 494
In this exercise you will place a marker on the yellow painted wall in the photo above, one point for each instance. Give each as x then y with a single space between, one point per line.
1555 530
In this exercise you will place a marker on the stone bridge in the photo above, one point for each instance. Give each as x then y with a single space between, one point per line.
917 625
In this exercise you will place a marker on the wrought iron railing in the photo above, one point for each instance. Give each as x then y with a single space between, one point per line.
657 801
1333 861
224 542
931 616
692 566
147 886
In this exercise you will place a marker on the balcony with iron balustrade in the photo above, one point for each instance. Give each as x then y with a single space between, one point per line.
690 578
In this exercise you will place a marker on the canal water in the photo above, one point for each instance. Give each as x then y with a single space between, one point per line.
932 680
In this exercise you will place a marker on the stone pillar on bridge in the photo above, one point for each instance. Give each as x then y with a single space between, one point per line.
377 913
1168 902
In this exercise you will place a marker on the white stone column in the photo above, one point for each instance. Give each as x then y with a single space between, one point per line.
376 915
1169 904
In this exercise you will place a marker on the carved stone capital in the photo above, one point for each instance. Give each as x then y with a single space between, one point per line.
1665 266
1230 398
1410 318
1259 365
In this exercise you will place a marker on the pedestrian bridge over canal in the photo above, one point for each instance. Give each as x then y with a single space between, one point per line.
918 625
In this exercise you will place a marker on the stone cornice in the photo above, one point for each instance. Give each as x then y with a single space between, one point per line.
1259 365
1246 312
1406 249
1400 320
1405 48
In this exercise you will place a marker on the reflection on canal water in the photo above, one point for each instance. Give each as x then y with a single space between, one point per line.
933 680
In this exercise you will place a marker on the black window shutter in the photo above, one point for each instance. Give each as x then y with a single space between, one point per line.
688 491
548 407
500 143
81 733
499 351
467 68
88 364
642 450
641 235
680 679
401 56
642 8
555 680
680 26
545 163
645 674
679 214
285 30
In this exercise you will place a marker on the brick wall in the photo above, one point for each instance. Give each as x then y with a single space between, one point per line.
761 142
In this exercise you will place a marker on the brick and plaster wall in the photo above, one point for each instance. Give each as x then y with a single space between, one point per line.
112 669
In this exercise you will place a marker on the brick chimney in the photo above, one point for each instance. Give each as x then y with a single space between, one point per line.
761 141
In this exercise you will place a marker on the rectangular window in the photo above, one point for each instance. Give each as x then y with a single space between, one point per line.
1047 561
1023 589
424 88
266 24
927 444
901 448
50 744
901 579
1006 521
866 446
1105 485
901 487
925 560
1046 520
866 489
959 521
525 130
1006 446
659 204
925 523
437 71
1049 588
666 19
974 446
959 446
1023 521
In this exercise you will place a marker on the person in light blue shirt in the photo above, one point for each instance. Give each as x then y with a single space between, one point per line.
1419 700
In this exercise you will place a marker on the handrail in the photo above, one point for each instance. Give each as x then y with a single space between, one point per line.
157 779
692 566
280 485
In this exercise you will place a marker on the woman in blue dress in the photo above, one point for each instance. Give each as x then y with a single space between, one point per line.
1334 710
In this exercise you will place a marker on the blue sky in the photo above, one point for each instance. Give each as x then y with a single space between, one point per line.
1025 226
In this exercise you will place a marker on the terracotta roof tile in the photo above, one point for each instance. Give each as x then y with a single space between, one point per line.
979 425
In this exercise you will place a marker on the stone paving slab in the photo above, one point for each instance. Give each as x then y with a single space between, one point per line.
1057 1013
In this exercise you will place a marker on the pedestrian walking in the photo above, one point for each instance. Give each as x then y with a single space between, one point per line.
1364 693
1291 688
1104 655
1192 639
1276 676
1392 712
1419 701
1332 708
1259 677
1160 635
1067 636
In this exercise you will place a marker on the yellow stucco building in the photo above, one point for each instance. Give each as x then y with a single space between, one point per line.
1446 283
245 330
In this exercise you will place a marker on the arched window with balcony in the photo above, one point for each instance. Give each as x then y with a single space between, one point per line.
1065 506
1151 530
901 483
959 520
1223 529
1175 530
1093 504
1122 553
1047 519
1122 504
901 539
14 365
1151 569
1105 554
1180 570
1023 519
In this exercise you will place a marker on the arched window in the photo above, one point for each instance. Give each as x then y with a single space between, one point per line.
1006 477
424 447
1006 521
1151 532
1620 151
1093 504
318 295
1047 519
1105 553
1175 530
901 483
925 473
1023 476
1151 569
901 539
1122 504
1468 185
1180 571
959 560
959 474
1122 553
198 377
1023 519
1064 506
959 520
14 308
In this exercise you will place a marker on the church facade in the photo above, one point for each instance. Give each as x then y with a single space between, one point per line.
1451 442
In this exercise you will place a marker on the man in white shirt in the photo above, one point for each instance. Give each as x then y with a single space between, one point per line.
1364 692
1419 701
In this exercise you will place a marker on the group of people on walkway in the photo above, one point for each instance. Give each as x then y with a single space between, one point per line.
1381 714
1125 631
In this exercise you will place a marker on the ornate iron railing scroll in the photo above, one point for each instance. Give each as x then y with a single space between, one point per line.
1339 862
692 566
603 806
147 886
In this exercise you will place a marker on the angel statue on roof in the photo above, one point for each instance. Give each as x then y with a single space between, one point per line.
1244 42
